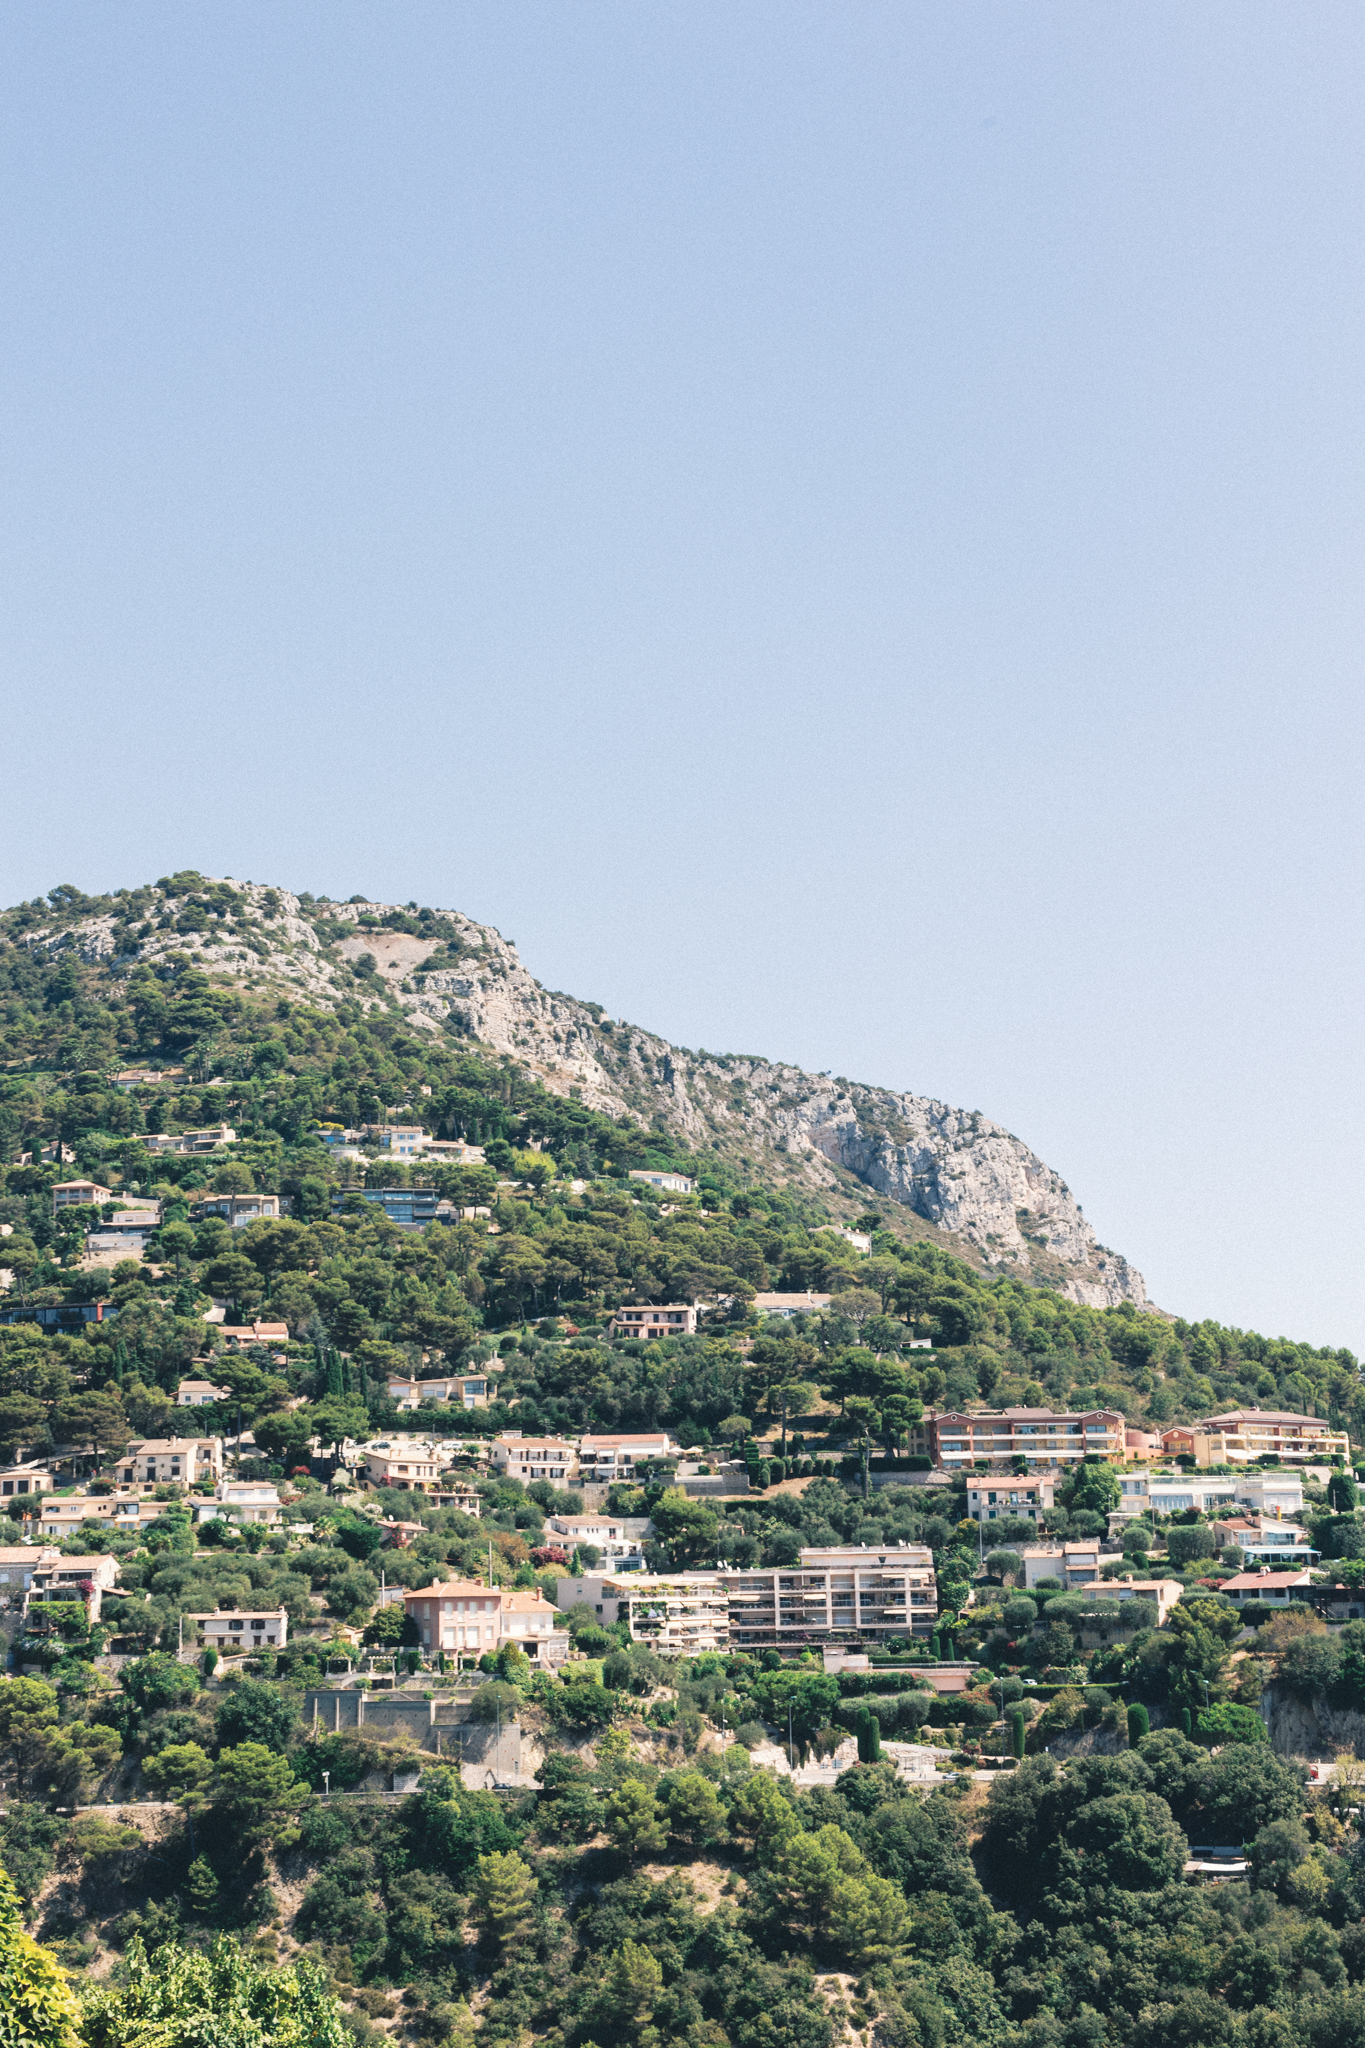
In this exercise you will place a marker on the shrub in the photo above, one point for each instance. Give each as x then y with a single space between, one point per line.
177 1998
496 1699
1188 1546
37 2007
1225 1722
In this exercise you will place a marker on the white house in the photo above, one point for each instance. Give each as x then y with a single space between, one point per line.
619 1538
244 1500
200 1394
251 1628
669 1319
529 1620
535 1457
19 1561
1075 1564
604 1458
86 1579
17 1480
403 1462
152 1461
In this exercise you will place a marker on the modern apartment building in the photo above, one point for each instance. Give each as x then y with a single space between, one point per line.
1265 1540
678 1614
1173 1493
848 1595
465 1390
1243 1435
211 1139
238 1210
409 1208
60 1315
1041 1436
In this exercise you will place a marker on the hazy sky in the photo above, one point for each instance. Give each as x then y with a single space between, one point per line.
838 528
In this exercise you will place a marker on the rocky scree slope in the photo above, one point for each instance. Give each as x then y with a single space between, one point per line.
982 1191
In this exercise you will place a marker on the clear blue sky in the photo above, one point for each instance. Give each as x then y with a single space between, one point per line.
836 527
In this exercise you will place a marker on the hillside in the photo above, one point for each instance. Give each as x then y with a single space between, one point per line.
982 1193
274 1029
645 1871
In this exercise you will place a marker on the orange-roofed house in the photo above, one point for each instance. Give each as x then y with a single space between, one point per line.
1279 1587
460 1617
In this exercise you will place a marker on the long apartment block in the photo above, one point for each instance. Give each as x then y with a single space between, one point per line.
1172 1493
850 1596
1243 1435
854 1593
1040 1436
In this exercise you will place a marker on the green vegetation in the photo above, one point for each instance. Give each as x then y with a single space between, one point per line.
649 1883
367 1298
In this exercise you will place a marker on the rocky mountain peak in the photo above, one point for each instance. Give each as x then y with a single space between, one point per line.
983 1191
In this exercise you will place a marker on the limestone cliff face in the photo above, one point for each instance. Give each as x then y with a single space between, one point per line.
978 1186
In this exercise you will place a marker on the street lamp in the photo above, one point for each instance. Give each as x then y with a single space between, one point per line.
326 1784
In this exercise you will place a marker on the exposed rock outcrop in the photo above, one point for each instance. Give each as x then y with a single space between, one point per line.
980 1187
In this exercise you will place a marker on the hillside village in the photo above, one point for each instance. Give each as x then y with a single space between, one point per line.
557 1583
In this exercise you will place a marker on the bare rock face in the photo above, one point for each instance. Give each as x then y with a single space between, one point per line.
980 1187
